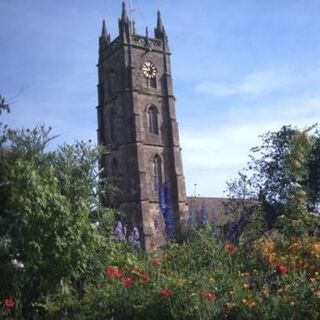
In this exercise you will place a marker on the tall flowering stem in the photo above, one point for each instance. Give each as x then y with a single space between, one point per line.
134 239
191 218
166 210
120 232
214 227
236 228
202 216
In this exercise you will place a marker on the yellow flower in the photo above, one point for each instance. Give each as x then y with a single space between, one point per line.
295 245
265 291
180 281
246 285
230 305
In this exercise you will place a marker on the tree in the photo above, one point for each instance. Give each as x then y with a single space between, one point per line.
3 105
52 226
284 175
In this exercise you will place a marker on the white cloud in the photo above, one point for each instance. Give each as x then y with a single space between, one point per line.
300 111
214 155
260 82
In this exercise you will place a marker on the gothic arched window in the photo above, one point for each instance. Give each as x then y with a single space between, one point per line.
156 173
153 120
153 83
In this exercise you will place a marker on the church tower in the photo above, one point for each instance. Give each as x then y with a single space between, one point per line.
138 127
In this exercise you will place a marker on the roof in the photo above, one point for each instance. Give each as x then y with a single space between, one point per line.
220 211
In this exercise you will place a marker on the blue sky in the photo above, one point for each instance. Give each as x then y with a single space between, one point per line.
240 68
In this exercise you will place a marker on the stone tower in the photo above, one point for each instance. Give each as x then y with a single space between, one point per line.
137 125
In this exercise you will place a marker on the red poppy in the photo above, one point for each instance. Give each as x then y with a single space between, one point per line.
281 268
117 273
154 262
230 248
145 277
128 282
110 271
211 296
113 272
8 303
165 292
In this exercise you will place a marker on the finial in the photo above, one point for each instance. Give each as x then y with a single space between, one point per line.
159 22
133 27
159 31
124 16
147 37
104 29
105 36
125 27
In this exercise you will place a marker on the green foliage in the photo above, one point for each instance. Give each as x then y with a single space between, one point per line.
3 105
51 220
59 258
283 175
207 280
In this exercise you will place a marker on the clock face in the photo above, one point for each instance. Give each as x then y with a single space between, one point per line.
149 70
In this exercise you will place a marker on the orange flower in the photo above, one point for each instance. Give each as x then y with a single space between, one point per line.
267 249
249 302
230 248
295 245
315 248
154 262
165 292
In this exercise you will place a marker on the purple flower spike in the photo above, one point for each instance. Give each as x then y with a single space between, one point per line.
134 238
119 232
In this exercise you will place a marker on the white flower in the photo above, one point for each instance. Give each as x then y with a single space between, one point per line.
295 185
17 264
